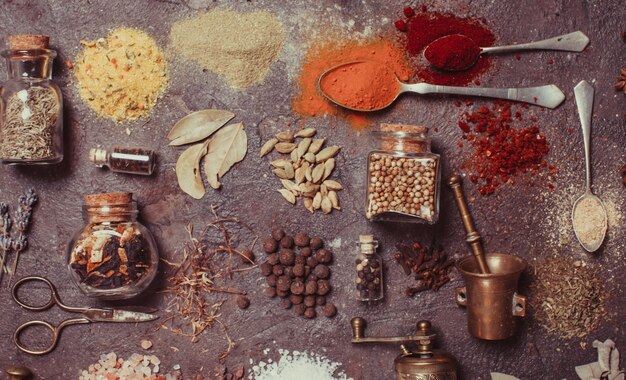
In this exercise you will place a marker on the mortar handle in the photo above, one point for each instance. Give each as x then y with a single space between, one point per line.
473 237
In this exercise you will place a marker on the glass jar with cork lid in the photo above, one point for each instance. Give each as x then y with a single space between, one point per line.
113 256
403 176
31 105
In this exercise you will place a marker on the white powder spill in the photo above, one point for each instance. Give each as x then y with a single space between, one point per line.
298 365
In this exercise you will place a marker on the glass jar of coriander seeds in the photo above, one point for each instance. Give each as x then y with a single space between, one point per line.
403 176
31 105
113 256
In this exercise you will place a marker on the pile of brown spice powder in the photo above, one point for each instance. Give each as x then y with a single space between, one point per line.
567 296
239 47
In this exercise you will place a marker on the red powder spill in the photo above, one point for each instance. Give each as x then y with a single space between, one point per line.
502 152
321 57
425 27
453 52
363 86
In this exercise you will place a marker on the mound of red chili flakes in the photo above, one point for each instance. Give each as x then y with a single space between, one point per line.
502 152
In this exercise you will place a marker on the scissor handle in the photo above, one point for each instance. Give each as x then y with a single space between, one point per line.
54 330
54 296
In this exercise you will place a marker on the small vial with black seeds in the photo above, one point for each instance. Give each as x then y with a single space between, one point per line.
124 160
369 270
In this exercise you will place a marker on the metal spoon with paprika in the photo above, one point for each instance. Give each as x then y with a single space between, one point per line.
369 86
456 52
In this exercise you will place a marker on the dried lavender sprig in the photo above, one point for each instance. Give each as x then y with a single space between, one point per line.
23 216
5 239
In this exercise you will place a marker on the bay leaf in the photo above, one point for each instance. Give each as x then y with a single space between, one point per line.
227 147
188 170
198 125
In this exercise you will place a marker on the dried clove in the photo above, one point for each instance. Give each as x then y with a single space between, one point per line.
430 266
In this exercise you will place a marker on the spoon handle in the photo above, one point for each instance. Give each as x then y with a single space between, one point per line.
584 102
549 96
576 41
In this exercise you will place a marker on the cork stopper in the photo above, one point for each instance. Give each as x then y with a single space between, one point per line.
394 138
98 156
368 244
107 199
28 42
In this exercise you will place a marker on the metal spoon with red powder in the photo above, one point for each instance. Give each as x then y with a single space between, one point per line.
456 52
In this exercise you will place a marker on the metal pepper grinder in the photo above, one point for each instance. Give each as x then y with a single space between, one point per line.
425 363
18 372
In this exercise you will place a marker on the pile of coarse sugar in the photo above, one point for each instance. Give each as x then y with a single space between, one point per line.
136 367
297 365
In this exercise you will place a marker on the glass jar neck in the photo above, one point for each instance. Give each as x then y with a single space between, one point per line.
115 213
29 64
405 142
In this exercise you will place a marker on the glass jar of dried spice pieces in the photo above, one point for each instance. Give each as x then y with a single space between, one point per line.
124 160
31 105
369 270
403 177
113 256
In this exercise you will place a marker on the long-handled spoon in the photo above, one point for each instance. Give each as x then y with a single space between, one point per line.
549 96
588 214
576 42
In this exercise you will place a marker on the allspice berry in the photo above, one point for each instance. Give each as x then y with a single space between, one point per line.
299 309
322 271
295 299
287 257
298 270
270 246
297 287
309 301
283 283
301 239
271 280
266 269
306 251
273 259
286 303
247 256
243 302
329 310
278 270
282 293
323 287
278 234
286 242
270 292
316 242
310 313
311 262
300 260
320 300
324 256
310 288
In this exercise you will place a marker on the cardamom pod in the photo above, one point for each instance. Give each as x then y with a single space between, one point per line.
307 132
280 173
288 195
317 201
289 170
294 155
326 153
299 175
332 185
329 166
324 190
316 146
268 146
285 147
289 185
303 146
308 174
308 204
334 199
317 174
327 205
285 136
279 163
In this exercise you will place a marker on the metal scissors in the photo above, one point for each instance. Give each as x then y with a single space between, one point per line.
90 315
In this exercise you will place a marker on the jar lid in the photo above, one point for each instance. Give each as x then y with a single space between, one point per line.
406 128
28 41
106 199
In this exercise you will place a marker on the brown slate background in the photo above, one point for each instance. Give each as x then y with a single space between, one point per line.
521 220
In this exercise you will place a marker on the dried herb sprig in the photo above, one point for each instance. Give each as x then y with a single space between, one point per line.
14 245
197 282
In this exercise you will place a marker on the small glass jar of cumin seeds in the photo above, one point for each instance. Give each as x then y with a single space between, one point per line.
113 256
403 176
31 105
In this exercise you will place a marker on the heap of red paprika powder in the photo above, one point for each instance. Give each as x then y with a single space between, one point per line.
423 27
502 152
